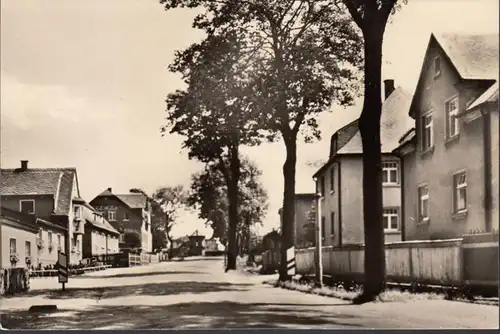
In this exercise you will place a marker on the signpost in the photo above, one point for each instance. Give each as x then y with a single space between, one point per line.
290 261
62 268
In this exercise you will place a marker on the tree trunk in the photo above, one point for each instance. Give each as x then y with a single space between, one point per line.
288 205
369 126
232 191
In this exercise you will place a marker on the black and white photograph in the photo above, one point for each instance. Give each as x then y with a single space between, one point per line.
249 164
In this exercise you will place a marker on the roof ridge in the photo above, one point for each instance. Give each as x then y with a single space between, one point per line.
62 169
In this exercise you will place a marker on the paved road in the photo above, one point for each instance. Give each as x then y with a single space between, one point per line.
197 293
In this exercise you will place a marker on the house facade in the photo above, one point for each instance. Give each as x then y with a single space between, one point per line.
339 180
100 238
17 239
450 158
50 240
51 194
127 213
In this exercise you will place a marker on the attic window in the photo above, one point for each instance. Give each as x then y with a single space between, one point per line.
437 66
27 206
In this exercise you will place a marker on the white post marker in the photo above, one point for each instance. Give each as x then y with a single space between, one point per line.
290 261
62 268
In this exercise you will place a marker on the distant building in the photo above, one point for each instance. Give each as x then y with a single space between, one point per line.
127 213
304 230
52 195
100 237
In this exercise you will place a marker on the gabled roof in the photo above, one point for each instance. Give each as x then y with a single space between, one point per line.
133 200
56 182
102 224
473 56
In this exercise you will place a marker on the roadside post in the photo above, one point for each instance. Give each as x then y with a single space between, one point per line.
62 268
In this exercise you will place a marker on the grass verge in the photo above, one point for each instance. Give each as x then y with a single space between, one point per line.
340 292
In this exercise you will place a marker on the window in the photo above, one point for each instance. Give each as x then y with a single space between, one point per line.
50 238
125 216
101 213
460 192
332 222
77 212
390 172
427 132
323 227
391 219
13 246
27 248
437 66
332 179
59 241
121 238
323 185
112 216
27 206
423 203
451 117
40 236
73 242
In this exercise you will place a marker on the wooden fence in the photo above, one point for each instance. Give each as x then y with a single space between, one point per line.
142 259
72 272
454 262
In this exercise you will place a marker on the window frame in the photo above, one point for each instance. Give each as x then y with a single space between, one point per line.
27 200
323 226
424 127
436 60
387 170
11 252
322 185
112 213
332 223
27 248
332 179
421 198
456 190
449 115
389 215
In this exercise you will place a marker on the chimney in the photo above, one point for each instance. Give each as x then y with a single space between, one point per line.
24 165
388 87
110 190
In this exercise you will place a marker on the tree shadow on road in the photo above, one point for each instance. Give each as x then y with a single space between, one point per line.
185 315
142 274
151 289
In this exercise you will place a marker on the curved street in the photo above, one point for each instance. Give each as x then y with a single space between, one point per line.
196 293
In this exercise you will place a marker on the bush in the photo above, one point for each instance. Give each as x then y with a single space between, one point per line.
14 280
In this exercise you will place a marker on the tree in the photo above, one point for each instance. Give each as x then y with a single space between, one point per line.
215 113
132 239
209 196
305 57
371 17
170 200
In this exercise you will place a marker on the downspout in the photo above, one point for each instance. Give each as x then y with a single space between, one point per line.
339 214
403 211
487 168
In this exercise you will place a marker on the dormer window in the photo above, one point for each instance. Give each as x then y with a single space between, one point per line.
437 66
27 206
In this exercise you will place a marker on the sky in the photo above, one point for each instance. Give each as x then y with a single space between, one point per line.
83 85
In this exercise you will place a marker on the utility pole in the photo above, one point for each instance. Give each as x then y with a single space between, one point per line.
319 242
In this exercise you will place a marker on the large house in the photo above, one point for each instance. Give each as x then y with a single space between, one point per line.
304 230
52 195
339 180
100 237
127 213
451 157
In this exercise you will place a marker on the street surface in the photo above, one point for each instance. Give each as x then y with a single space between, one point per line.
196 293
